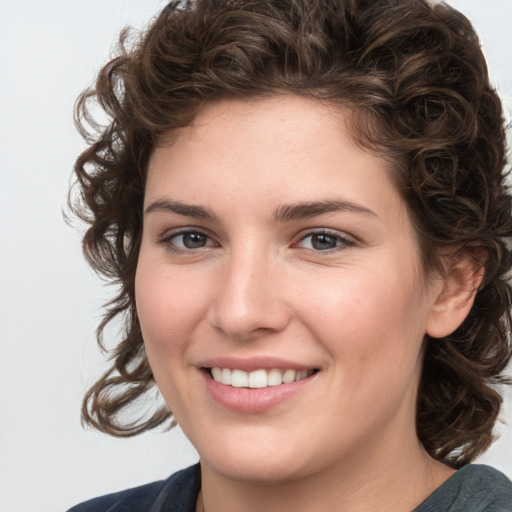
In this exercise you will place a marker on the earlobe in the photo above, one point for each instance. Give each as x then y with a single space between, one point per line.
463 274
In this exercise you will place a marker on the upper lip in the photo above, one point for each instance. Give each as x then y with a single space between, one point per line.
253 363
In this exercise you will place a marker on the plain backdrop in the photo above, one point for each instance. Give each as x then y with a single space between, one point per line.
50 302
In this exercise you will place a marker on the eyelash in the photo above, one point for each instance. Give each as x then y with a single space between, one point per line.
341 241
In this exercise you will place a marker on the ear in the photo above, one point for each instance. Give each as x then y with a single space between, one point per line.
463 274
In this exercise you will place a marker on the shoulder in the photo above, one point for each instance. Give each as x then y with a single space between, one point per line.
474 488
176 494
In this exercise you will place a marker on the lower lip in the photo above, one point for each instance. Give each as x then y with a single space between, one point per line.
251 400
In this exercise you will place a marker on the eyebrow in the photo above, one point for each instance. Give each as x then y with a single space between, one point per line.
305 210
285 212
188 210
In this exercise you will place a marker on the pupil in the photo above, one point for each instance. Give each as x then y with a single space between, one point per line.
194 240
323 242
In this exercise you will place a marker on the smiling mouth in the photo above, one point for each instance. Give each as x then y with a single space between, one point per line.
258 379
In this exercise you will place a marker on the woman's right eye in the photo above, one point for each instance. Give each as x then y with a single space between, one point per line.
183 241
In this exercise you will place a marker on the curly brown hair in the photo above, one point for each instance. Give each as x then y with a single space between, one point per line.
416 81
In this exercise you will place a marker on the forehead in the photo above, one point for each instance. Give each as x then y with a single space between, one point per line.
261 139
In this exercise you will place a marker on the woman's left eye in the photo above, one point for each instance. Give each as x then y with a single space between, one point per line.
323 241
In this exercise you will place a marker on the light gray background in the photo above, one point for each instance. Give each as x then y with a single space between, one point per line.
50 302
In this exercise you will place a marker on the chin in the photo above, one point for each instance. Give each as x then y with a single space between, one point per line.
262 463
258 471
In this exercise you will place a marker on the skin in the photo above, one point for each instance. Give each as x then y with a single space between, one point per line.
257 286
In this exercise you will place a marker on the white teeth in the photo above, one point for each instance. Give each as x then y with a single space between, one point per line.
225 376
239 379
258 378
274 377
288 376
217 373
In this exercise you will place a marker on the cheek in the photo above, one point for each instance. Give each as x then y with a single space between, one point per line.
169 311
371 318
168 308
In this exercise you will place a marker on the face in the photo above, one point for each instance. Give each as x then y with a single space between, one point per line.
279 291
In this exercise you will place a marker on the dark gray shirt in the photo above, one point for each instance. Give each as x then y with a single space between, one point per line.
474 488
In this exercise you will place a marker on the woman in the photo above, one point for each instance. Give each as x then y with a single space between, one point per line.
304 205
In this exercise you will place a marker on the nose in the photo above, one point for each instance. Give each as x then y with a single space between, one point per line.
249 301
